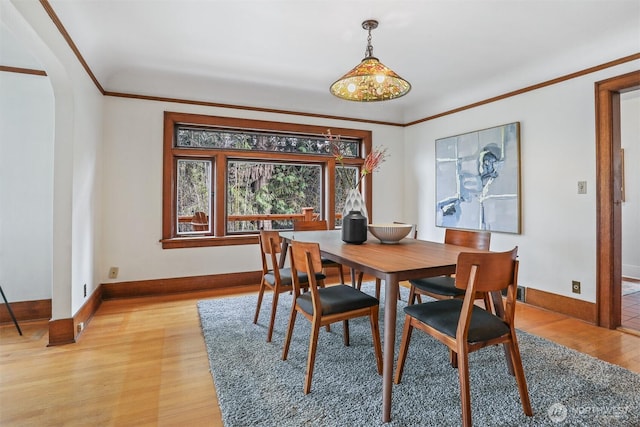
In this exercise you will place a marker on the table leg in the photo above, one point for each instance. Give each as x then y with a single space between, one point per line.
390 313
283 253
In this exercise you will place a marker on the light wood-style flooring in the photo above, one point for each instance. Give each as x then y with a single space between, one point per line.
631 307
142 362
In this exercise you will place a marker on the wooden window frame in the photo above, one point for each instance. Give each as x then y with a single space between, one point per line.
217 237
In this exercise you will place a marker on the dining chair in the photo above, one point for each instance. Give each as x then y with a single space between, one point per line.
414 234
324 306
319 225
277 279
465 327
442 287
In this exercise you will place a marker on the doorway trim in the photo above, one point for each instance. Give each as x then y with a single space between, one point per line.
608 203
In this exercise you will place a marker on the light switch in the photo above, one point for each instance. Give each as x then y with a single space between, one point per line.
582 187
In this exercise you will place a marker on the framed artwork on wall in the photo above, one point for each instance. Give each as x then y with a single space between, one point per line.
478 180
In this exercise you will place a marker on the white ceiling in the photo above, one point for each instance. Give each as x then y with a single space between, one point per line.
285 54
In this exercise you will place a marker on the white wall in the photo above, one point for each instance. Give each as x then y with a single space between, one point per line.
132 204
630 136
557 148
26 186
77 140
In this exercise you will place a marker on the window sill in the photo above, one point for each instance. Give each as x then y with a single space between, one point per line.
199 242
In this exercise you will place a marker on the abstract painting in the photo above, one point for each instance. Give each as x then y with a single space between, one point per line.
478 180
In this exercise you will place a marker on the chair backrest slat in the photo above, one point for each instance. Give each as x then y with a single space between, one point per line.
270 241
270 246
305 258
310 225
470 239
495 270
299 256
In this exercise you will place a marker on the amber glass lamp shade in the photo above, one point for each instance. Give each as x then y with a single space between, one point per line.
371 80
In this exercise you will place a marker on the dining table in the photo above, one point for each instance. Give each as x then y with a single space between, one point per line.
408 259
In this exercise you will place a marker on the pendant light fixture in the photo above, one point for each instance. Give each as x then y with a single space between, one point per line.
371 80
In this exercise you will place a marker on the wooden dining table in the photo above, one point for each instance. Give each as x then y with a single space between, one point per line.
393 263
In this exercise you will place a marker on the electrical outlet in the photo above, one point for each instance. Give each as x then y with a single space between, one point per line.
80 327
113 272
582 187
575 286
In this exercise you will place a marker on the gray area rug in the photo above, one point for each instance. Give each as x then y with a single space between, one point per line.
256 388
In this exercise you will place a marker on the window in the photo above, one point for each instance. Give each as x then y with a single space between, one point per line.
193 187
264 188
225 178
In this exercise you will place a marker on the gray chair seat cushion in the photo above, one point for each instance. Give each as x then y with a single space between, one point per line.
327 261
286 278
441 285
443 316
338 299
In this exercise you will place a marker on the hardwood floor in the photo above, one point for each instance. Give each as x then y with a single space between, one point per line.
631 306
143 362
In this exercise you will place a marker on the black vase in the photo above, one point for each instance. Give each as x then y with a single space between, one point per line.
354 228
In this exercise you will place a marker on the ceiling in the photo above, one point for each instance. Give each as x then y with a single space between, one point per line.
285 54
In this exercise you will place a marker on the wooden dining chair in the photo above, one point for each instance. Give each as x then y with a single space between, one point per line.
277 279
414 234
320 225
324 306
443 287
465 327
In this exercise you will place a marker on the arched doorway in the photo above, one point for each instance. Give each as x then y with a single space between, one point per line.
20 18
608 209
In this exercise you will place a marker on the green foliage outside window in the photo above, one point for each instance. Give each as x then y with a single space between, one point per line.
270 188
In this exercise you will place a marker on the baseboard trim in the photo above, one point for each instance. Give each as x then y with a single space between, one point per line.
68 330
61 331
145 288
65 331
579 309
26 310
85 313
